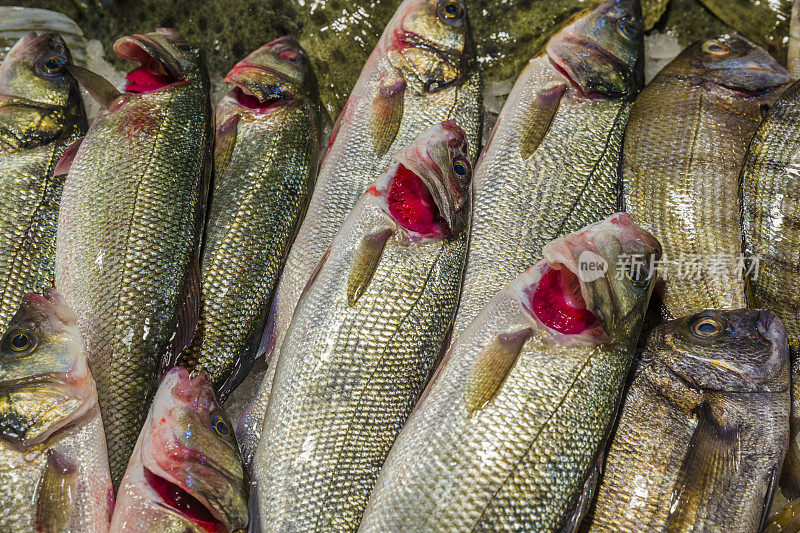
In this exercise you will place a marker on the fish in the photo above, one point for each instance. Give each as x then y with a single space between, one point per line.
703 428
53 465
268 142
130 226
684 148
364 339
16 22
771 229
508 434
41 115
551 164
420 73
185 474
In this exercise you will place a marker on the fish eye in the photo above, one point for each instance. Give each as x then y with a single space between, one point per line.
460 168
638 274
715 48
629 29
707 327
52 64
20 342
220 426
451 10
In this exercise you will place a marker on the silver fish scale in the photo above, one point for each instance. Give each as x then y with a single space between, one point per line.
127 234
349 376
569 182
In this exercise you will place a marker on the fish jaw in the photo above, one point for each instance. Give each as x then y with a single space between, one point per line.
166 60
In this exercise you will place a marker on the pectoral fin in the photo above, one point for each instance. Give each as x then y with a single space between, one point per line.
224 142
55 494
96 85
368 255
386 114
65 162
188 319
538 117
493 367
709 463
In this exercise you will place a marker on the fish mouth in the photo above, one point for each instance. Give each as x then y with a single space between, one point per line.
175 498
416 205
593 86
447 64
778 79
157 70
256 96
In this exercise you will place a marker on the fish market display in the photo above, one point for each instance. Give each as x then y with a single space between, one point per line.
420 73
704 427
510 430
266 159
186 473
684 148
53 464
368 329
552 162
41 114
771 220
130 224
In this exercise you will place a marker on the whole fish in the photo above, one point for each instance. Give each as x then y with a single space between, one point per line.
41 114
185 474
53 463
508 434
684 148
364 339
266 159
130 224
420 73
771 223
551 166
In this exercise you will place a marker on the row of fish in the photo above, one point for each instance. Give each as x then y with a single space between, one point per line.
184 250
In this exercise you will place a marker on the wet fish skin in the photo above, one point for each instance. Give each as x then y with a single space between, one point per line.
685 145
41 114
556 147
130 225
703 429
771 225
185 474
266 162
53 463
508 432
364 339
404 88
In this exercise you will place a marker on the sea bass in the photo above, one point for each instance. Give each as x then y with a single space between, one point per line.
185 474
364 339
41 114
53 463
684 148
130 225
703 429
551 166
420 73
266 159
771 223
508 434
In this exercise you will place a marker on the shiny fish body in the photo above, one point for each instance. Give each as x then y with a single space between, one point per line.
357 355
771 223
703 429
266 161
41 114
684 148
379 118
507 435
53 463
129 230
551 166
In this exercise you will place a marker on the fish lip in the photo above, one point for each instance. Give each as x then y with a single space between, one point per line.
454 58
156 53
692 384
238 72
568 72
747 93
161 502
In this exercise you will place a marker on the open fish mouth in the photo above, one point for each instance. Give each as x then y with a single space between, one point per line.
176 499
157 70
259 98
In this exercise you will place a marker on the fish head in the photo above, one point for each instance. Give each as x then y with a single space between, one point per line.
744 350
733 63
426 192
585 291
430 46
45 383
166 60
273 76
602 51
190 457
34 69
